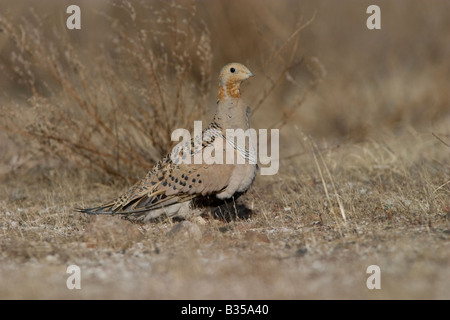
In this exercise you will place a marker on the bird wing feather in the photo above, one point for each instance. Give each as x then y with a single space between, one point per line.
172 181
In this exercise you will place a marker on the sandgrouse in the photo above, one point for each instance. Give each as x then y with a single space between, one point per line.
172 185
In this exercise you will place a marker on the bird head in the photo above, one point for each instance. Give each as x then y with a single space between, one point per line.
230 79
234 73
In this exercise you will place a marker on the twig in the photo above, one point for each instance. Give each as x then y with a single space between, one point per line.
314 149
446 144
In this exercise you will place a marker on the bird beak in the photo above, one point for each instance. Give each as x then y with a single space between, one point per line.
251 74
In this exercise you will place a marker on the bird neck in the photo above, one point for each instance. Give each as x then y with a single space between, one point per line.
232 113
230 89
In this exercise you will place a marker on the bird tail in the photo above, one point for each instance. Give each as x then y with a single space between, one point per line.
104 209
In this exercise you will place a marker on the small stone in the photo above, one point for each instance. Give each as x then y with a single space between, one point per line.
185 229
199 221
300 252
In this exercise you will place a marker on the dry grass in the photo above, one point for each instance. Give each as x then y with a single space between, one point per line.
88 115
364 172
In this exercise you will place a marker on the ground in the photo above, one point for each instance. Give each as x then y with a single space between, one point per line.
290 247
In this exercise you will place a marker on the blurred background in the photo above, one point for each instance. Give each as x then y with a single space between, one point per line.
106 97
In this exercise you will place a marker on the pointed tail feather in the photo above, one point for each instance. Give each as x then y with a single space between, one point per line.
138 206
106 209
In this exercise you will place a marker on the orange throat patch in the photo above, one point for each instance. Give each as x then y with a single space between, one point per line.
229 90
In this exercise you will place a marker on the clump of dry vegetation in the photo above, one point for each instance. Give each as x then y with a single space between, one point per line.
81 108
364 148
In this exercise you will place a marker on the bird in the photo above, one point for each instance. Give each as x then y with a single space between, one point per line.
173 186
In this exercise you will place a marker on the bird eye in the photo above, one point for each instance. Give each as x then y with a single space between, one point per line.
232 70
